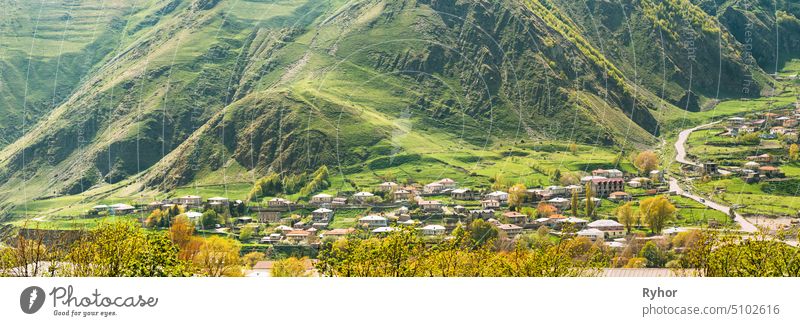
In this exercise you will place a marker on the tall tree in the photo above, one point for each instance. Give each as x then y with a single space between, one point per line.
574 202
626 216
657 211
646 161
516 195
217 257
589 202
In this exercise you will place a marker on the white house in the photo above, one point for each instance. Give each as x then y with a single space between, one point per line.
612 228
321 199
121 209
448 183
592 234
322 215
189 200
560 203
218 201
387 186
500 196
433 188
373 221
363 197
433 230
279 202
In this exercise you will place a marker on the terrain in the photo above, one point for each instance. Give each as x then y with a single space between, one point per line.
138 100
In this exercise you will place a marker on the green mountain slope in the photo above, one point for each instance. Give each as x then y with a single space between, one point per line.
223 91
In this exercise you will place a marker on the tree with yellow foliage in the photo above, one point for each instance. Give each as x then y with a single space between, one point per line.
626 216
516 195
656 212
646 161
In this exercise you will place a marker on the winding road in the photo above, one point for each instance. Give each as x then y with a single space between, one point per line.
675 186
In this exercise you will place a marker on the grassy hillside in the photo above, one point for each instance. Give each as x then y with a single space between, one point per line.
176 95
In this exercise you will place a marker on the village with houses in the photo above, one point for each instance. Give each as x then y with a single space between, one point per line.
434 210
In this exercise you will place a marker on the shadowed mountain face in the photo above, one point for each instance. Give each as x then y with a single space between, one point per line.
161 93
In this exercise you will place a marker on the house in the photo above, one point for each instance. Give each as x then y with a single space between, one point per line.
265 268
383 230
777 130
560 203
619 196
433 229
636 183
100 208
500 196
431 206
189 201
790 123
279 202
268 216
657 176
770 172
321 199
387 186
763 158
433 188
338 233
121 209
573 189
735 122
448 183
577 223
482 214
298 236
611 228
612 173
515 217
458 209
218 201
557 191
510 229
194 217
363 197
283 229
373 221
709 168
604 187
463 194
244 220
589 179
322 215
403 195
490 204
597 201
338 202
592 234
752 165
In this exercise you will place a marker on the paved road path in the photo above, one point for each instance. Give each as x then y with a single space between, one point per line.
674 185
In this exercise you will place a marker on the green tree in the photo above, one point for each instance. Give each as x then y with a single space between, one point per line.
590 209
123 249
209 219
246 233
574 202
654 255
